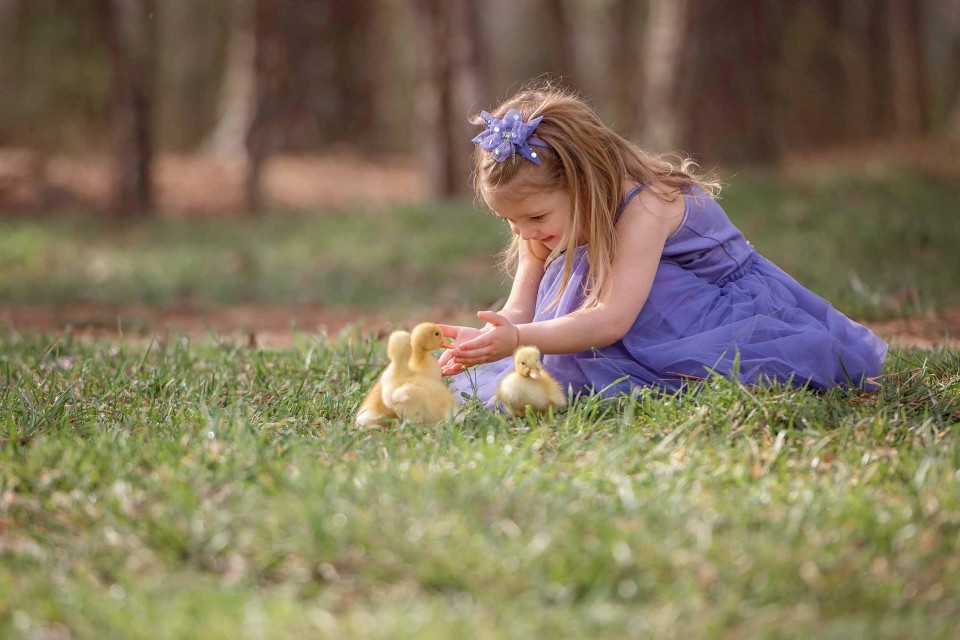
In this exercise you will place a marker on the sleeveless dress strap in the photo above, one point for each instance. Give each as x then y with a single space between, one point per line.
626 200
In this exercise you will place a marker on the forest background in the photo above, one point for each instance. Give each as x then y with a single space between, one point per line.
354 109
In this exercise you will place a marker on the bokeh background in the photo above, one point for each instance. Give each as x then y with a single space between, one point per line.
257 165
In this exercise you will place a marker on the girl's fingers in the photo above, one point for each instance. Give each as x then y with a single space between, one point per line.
478 356
449 330
492 317
471 345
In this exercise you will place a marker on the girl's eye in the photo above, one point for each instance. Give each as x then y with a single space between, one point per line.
537 218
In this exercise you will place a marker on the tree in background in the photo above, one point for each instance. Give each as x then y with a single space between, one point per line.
557 31
236 106
910 99
271 80
450 79
662 45
131 35
728 81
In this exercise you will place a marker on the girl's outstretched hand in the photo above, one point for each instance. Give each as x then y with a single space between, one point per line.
498 339
460 335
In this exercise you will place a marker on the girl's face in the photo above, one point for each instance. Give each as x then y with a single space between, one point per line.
541 216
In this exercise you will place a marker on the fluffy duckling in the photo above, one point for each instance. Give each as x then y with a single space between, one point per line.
529 385
424 338
417 397
373 410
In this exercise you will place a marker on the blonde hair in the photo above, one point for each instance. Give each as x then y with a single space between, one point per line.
591 162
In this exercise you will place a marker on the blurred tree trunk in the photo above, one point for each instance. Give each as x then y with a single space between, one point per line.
909 95
272 71
9 44
882 121
475 58
561 42
454 82
626 67
729 103
434 95
355 57
665 32
947 16
130 28
472 87
859 87
227 139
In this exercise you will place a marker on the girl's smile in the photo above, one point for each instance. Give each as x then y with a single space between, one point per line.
541 216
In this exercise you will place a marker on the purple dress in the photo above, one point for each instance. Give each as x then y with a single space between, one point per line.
716 307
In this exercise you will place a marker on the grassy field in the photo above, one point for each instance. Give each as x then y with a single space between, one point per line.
205 488
876 248
211 490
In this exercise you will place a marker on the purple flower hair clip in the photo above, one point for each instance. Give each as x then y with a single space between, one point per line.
505 138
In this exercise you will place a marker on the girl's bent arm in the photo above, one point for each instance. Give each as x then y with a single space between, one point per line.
641 233
522 303
640 237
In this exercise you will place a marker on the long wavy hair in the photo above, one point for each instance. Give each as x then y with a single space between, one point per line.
591 162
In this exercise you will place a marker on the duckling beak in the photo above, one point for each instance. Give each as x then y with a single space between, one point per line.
447 344
534 373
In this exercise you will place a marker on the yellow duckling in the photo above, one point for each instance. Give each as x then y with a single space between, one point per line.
529 385
416 397
424 338
373 410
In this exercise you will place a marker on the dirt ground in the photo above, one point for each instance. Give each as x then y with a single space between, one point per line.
276 325
200 185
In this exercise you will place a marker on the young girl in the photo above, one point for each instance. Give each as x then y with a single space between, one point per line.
628 273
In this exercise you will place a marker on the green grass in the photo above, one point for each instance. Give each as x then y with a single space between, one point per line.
206 489
399 258
874 247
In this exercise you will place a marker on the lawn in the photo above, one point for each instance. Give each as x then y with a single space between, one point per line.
200 487
875 247
212 490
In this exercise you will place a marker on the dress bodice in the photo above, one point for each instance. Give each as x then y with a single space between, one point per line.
706 242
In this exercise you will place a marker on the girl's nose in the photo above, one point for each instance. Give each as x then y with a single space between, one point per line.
526 234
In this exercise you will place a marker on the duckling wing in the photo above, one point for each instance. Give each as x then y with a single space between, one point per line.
422 400
372 410
553 391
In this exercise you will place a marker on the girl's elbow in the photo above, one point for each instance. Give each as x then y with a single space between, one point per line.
613 332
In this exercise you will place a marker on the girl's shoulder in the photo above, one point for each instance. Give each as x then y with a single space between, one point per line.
668 209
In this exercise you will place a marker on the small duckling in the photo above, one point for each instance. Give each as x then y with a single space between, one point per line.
416 397
529 385
424 338
373 411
